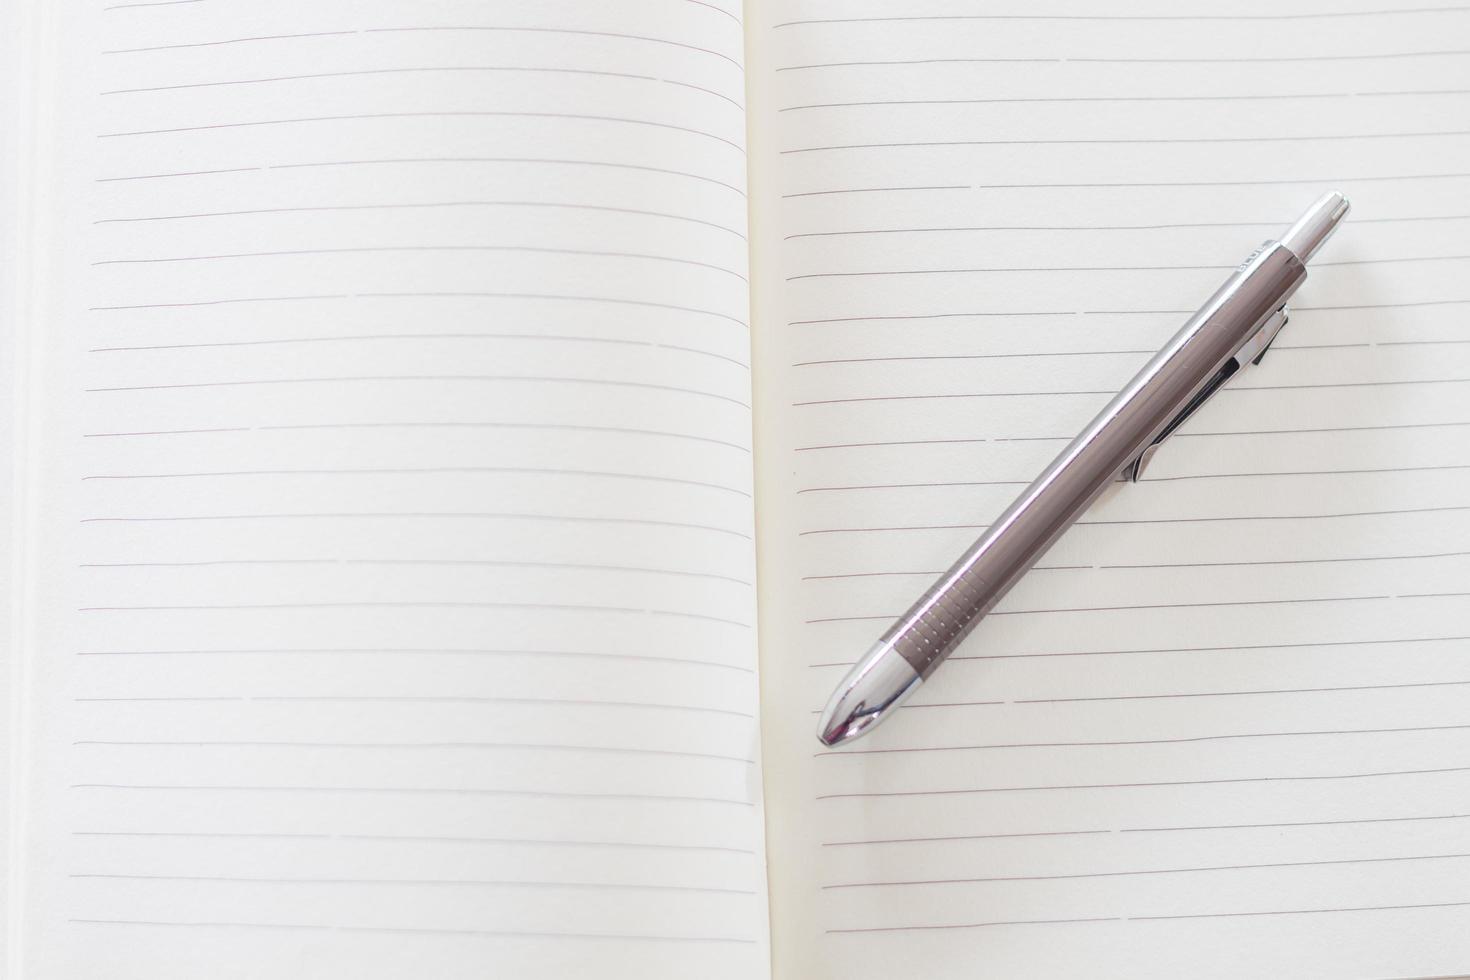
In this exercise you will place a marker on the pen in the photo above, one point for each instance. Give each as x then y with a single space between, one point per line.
1234 327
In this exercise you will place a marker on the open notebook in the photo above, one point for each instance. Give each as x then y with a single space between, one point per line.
385 520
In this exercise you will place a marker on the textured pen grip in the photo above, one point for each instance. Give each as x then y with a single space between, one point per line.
941 618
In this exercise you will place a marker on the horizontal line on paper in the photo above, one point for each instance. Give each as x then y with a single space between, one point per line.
532 426
539 161
1145 918
1179 782
486 378
1231 648
424 515
417 790
1162 226
422 70
415 882
1144 830
637 212
397 30
1122 98
1138 741
419 699
416 839
416 652
1147 871
403 930
422 470
384 249
419 746
1137 140
484 606
1316 15
1185 435
1155 479
1183 60
431 562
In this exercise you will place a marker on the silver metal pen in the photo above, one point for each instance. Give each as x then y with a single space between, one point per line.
1234 327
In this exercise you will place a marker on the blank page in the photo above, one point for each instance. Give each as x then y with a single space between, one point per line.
395 525
1222 731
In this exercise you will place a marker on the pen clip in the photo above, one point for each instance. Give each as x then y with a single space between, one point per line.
1253 351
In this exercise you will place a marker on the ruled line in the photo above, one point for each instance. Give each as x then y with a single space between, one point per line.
1180 782
1138 140
554 205
1156 226
1011 314
609 300
1147 871
976 925
391 249
717 9
149 3
1154 479
435 378
876 190
1231 648
355 338
238 40
1148 830
407 931
418 882
428 470
425 515
1102 268
385 161
399 30
1124 98
1182 435
530 426
450 562
418 746
1159 520
910 18
1355 908
362 72
934 573
565 31
860 399
1139 741
1190 60
417 839
567 607
420 652
960 837
1146 918
1211 694
465 113
420 699
417 791
1299 823
423 70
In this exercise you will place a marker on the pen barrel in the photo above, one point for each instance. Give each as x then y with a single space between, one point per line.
955 604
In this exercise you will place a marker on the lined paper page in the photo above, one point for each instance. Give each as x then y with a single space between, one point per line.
398 540
1223 730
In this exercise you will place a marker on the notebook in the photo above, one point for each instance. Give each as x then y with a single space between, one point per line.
457 448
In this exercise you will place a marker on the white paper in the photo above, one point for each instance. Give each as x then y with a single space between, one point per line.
1221 731
395 542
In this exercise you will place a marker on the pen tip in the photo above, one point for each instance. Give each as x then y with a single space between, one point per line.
875 686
